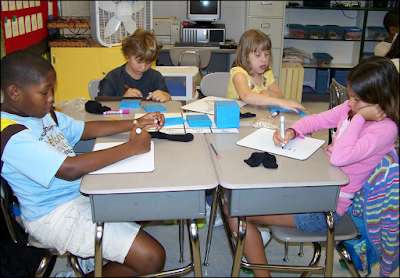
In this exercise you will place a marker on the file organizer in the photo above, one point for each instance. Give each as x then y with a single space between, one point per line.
129 103
199 120
226 114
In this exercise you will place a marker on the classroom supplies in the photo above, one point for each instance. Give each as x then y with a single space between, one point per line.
206 105
215 151
129 103
297 148
112 118
154 107
199 120
276 108
121 111
134 164
174 121
226 114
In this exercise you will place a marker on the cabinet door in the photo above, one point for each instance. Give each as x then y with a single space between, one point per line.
111 58
75 67
271 26
266 8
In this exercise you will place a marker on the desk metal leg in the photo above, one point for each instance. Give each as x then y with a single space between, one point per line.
239 246
194 246
98 246
181 238
329 244
211 225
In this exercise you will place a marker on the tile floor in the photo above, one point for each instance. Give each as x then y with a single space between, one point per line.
220 259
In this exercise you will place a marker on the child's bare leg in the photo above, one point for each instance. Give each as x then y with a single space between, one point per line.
145 256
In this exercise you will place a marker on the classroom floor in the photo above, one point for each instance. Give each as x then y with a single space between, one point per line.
220 259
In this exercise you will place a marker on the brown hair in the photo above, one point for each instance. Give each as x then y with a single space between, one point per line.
141 44
251 41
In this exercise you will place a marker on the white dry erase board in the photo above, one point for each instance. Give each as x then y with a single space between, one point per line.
134 164
296 148
206 105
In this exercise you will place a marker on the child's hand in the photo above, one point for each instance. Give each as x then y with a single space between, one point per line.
139 142
159 95
279 141
132 92
291 105
151 120
372 113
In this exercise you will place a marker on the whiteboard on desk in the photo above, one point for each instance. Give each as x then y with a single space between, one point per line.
296 148
206 105
134 164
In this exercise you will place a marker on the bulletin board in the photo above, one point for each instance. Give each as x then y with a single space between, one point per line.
23 23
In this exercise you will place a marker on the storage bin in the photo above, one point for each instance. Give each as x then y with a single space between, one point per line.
377 33
323 59
341 76
315 32
352 33
321 82
297 30
333 32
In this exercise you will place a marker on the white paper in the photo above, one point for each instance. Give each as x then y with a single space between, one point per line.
134 164
206 105
296 148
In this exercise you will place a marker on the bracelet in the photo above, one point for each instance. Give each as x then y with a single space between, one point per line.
295 133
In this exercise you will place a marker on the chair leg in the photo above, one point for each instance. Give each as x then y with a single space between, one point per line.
315 259
73 261
301 254
44 263
341 249
181 238
286 258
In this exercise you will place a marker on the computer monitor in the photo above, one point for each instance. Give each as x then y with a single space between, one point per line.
203 12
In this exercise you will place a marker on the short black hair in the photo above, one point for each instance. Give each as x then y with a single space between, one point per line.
22 68
391 19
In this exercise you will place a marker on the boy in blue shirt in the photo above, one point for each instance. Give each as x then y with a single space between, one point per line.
135 78
39 163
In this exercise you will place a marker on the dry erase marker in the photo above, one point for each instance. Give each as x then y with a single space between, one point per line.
212 146
112 118
276 113
283 129
121 111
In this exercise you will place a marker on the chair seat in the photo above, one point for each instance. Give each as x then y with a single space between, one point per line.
344 230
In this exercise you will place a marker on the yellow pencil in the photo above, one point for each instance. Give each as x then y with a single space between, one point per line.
112 118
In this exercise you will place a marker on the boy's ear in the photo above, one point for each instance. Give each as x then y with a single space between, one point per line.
13 92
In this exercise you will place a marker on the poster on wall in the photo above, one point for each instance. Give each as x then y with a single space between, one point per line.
23 23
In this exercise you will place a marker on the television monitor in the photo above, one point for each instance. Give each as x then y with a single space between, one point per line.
203 12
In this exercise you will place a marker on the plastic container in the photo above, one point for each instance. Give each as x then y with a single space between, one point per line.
315 32
297 31
323 59
321 82
352 33
377 33
333 32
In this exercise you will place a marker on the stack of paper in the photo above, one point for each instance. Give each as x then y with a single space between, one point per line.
129 104
198 120
154 107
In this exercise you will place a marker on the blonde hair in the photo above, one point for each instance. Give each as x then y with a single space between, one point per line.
141 44
251 41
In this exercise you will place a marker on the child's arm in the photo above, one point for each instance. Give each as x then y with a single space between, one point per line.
242 88
159 95
77 166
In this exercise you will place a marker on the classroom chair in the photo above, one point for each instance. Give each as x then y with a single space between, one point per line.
215 84
24 241
337 95
94 88
191 57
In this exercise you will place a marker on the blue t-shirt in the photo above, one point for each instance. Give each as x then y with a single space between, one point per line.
33 156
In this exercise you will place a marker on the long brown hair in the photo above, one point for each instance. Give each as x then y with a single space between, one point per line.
251 41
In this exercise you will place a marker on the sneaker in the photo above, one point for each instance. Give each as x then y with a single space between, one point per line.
69 273
218 219
87 265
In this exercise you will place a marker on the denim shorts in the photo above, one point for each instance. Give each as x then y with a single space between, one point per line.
314 222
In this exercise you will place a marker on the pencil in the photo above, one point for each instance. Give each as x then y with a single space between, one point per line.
112 118
212 146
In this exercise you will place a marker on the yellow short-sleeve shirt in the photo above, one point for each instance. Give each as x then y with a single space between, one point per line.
268 79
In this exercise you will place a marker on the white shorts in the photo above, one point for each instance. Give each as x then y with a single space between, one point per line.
70 228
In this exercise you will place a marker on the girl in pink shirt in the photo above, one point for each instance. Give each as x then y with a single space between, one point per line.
367 127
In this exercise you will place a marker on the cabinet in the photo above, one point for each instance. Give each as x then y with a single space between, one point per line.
268 17
76 66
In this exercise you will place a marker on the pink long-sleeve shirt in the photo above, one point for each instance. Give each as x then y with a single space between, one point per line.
357 151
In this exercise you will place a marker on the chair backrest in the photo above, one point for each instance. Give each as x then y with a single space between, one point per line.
190 57
6 207
215 84
337 93
94 88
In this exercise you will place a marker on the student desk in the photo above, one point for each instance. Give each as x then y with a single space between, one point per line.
296 186
172 191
